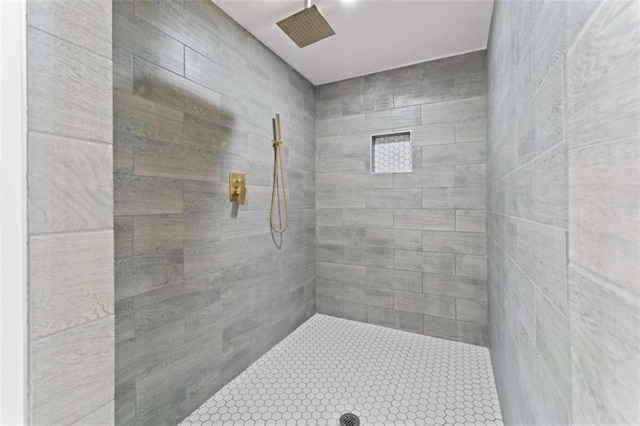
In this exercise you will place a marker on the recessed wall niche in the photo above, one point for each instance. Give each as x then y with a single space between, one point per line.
391 153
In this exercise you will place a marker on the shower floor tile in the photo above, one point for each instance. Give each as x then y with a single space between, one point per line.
330 366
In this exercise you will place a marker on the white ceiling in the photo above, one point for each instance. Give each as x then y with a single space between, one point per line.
371 35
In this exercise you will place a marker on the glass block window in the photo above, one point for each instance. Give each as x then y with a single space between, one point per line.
391 153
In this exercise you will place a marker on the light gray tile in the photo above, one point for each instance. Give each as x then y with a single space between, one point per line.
454 198
424 219
550 187
372 296
369 256
471 310
71 280
70 184
139 274
454 110
604 360
553 342
425 304
454 286
142 39
440 263
102 416
123 152
473 175
77 363
393 78
229 31
602 132
542 121
146 195
394 198
471 130
471 85
456 66
471 220
547 39
342 199
123 236
433 134
343 235
83 23
454 242
394 238
348 125
393 119
432 91
158 233
471 266
459 153
407 321
368 218
122 70
425 177
169 160
541 253
341 274
150 120
394 279
184 27
69 89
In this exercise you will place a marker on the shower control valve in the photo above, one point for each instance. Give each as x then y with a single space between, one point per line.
237 187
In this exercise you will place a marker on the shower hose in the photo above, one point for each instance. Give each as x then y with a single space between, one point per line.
277 145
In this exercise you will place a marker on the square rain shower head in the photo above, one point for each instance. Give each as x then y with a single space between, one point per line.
306 27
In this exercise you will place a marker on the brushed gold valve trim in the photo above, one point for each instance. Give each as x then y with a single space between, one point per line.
237 187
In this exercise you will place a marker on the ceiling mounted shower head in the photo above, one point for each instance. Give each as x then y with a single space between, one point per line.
307 26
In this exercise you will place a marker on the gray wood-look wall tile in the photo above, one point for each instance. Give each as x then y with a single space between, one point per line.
394 279
71 186
443 220
454 110
454 286
458 153
169 160
454 242
142 39
471 220
440 263
402 320
425 177
83 23
184 27
71 278
69 89
394 198
77 363
135 195
140 117
471 266
425 304
393 238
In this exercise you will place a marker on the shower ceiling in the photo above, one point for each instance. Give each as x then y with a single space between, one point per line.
371 35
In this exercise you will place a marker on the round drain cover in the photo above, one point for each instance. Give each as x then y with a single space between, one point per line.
349 419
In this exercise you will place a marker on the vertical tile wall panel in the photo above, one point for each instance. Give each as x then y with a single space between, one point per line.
426 217
70 212
194 97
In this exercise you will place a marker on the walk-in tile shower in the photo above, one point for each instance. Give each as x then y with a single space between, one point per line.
462 233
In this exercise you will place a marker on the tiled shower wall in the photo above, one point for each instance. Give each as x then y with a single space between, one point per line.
202 290
70 212
564 291
406 250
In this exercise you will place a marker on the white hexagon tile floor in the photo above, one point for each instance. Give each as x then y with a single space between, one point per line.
330 366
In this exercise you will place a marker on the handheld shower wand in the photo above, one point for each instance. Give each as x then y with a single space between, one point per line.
277 146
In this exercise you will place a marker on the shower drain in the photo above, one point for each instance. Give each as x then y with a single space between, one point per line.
349 419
